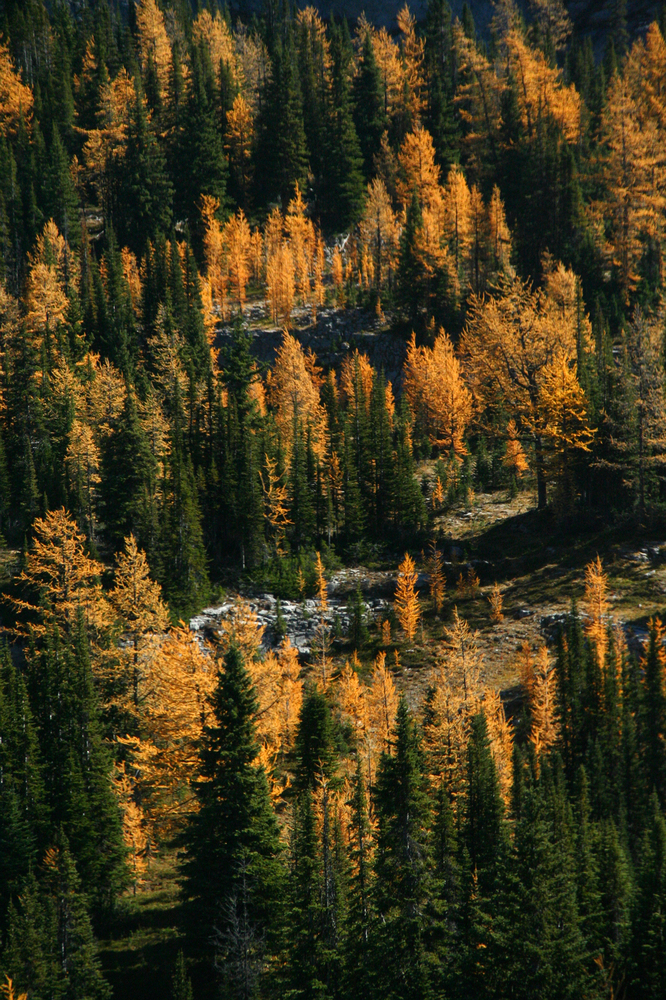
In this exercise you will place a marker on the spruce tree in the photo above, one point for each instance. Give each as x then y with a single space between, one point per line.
483 832
78 767
143 193
343 179
369 111
233 869
282 156
402 935
648 969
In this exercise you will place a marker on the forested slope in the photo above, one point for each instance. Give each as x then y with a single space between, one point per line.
375 817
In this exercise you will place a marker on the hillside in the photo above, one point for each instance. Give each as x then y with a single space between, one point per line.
332 502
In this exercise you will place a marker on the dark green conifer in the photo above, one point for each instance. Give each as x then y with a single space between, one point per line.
402 935
369 111
234 873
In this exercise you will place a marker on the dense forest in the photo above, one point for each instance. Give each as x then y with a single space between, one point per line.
497 205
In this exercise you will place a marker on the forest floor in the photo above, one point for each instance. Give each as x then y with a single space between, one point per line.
539 564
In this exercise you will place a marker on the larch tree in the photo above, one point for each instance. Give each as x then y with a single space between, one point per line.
543 704
419 172
437 395
510 346
647 391
239 143
294 394
60 581
276 497
237 244
175 684
437 581
138 604
406 601
596 606
379 233
153 41
15 97
280 698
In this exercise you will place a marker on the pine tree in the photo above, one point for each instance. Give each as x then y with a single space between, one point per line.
50 944
128 481
143 191
648 953
315 746
181 984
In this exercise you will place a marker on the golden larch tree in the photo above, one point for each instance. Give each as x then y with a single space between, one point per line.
153 40
419 171
62 580
214 33
276 509
83 462
437 581
239 143
446 733
15 97
507 346
543 703
463 659
9 993
279 691
139 608
280 283
437 395
294 393
500 734
175 688
413 58
595 603
382 705
496 601
514 458
380 233
406 601
237 248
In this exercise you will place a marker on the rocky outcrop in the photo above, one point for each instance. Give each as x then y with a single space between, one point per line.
300 619
336 332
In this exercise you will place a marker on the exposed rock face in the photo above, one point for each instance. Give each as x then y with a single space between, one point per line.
334 334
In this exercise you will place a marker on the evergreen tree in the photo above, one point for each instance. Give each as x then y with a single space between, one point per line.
143 193
649 925
483 832
344 188
402 934
315 746
234 873
128 481
282 156
369 112
78 767
50 949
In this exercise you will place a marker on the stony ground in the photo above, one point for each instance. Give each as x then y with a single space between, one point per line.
538 563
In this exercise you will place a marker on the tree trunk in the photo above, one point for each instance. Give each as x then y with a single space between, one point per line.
540 475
